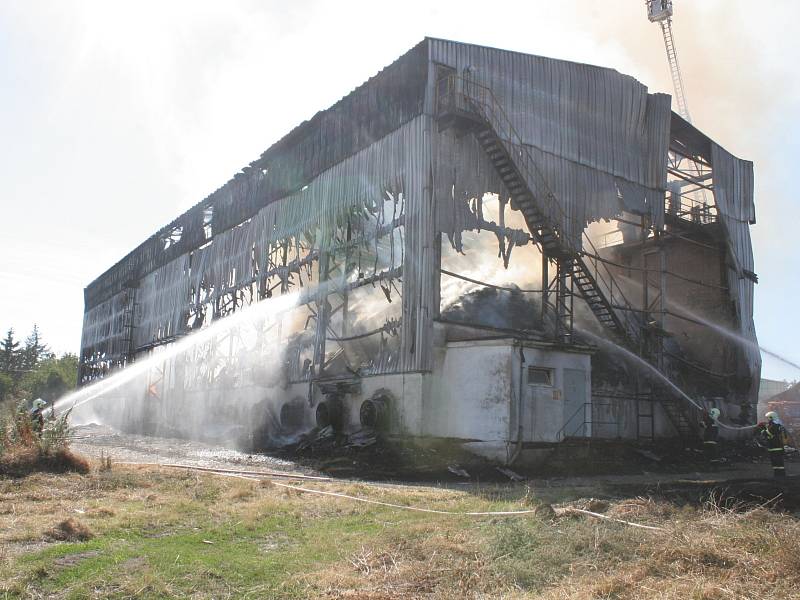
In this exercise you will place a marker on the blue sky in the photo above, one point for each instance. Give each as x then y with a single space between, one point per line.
116 116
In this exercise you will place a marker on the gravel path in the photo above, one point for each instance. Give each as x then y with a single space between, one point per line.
96 440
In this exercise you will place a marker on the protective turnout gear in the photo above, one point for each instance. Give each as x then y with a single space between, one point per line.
37 414
775 437
710 434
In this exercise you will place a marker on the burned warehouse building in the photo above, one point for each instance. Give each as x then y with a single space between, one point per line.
498 249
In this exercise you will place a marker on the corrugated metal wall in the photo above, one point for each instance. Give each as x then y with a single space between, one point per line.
162 299
103 328
400 161
733 194
596 134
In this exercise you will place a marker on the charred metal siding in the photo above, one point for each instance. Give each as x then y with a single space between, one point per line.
398 161
596 134
733 194
600 138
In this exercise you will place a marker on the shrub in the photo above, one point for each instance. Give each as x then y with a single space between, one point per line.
24 450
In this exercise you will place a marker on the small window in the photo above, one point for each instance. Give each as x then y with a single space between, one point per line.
540 376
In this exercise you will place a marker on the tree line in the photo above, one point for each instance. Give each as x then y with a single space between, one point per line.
29 369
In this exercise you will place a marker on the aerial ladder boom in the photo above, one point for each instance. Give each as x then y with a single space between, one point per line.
660 11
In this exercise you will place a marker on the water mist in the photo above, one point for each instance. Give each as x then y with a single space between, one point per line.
133 381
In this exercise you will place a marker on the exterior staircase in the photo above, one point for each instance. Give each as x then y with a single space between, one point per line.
466 103
684 417
471 106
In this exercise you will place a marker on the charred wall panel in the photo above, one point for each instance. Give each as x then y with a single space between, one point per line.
733 194
597 135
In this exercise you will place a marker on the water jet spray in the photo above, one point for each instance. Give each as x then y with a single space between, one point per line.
258 311
650 368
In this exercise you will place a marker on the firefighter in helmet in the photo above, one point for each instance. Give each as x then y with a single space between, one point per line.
710 425
774 436
37 415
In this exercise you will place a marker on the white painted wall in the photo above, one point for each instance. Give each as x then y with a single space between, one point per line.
471 392
477 383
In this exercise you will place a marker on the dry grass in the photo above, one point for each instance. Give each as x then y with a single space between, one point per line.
638 508
21 461
105 462
433 564
70 530
707 553
242 491
196 535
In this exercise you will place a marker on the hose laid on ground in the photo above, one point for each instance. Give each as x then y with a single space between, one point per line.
220 471
456 513
259 475
403 506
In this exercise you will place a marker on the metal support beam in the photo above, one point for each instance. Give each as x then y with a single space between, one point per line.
564 300
323 314
545 286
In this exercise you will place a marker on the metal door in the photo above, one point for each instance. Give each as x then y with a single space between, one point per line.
576 410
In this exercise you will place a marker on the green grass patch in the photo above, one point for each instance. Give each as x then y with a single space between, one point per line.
224 556
177 544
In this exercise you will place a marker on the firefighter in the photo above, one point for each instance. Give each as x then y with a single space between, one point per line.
775 437
710 426
37 415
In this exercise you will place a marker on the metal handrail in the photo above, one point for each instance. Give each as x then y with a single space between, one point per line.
476 97
611 238
561 433
693 211
628 316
